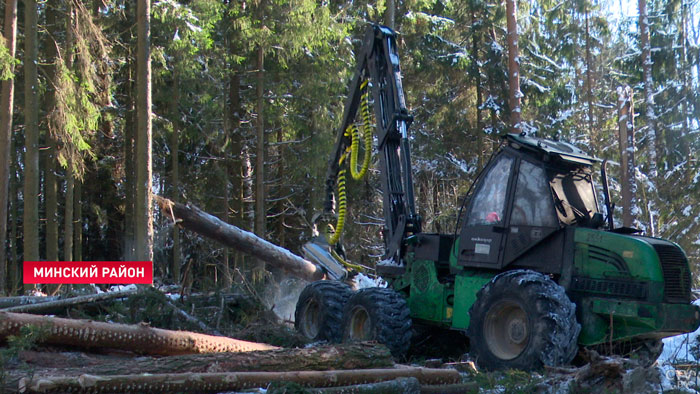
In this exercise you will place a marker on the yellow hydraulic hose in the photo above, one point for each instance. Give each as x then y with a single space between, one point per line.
352 151
366 135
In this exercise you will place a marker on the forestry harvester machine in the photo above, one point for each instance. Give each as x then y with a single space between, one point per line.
533 270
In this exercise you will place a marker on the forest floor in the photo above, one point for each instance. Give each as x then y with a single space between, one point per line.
242 315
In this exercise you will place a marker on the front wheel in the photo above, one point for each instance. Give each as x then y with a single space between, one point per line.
320 309
378 314
523 320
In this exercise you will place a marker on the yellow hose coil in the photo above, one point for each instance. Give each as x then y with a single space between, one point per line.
353 133
366 135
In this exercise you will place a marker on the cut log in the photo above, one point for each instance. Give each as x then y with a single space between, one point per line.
7 302
59 304
320 358
137 338
409 385
194 219
217 382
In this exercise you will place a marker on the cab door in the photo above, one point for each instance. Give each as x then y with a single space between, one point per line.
484 230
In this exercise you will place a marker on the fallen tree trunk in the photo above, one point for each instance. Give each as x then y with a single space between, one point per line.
137 338
409 385
58 304
7 302
341 356
191 319
217 382
194 219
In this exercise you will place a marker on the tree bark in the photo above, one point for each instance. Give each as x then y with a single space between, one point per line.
144 170
318 358
390 14
513 66
54 305
6 109
230 381
129 147
139 338
70 174
194 219
50 181
8 302
13 271
654 135
175 172
78 221
589 78
30 223
408 385
260 211
68 215
627 148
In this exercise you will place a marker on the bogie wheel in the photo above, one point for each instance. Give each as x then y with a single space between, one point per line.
523 320
320 309
378 314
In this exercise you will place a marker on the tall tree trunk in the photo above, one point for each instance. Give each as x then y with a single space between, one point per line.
476 43
654 135
390 14
14 259
589 79
68 236
513 66
6 107
236 160
129 160
175 172
226 217
143 206
30 223
685 70
78 221
627 148
50 180
260 211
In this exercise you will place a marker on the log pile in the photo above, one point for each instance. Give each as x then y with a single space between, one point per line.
74 355
228 381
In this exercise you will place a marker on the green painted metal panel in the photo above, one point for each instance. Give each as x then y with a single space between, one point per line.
640 258
428 297
631 318
467 284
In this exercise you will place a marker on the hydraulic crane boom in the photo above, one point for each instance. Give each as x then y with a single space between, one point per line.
378 62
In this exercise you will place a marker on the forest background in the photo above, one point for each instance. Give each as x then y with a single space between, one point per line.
246 97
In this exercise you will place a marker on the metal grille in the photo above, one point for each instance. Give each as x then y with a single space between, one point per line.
677 281
616 288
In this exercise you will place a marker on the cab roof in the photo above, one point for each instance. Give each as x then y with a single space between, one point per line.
557 149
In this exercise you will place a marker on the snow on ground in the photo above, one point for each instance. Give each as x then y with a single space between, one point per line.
679 350
123 287
362 281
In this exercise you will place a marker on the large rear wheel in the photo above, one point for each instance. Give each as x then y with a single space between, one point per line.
522 319
378 314
320 309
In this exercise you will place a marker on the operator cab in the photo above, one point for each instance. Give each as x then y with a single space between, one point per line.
532 190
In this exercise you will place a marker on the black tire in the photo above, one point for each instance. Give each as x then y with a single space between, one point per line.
522 320
320 309
377 314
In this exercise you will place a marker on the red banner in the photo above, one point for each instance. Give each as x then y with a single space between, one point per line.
77 272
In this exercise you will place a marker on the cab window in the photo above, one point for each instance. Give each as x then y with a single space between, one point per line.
532 205
488 205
